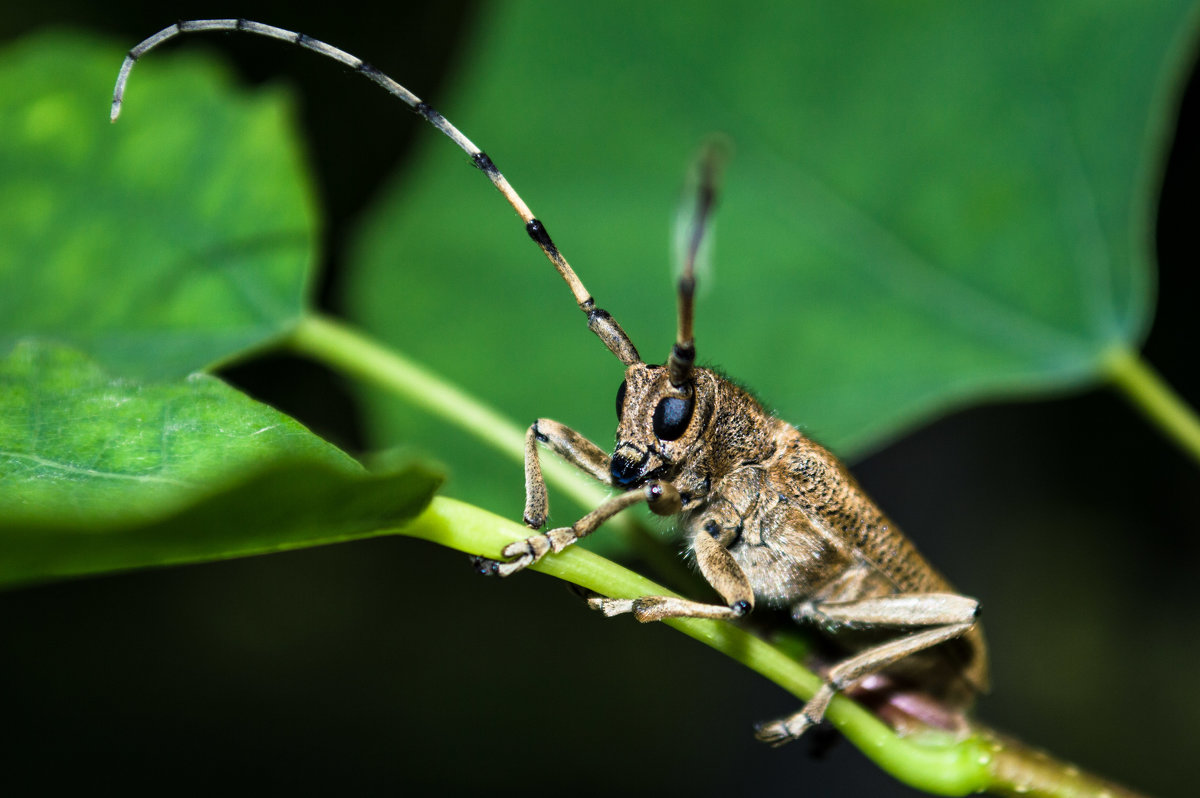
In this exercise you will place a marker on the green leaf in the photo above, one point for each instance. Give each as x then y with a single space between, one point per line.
100 473
176 238
930 203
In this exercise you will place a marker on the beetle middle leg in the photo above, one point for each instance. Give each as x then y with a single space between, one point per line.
718 568
947 616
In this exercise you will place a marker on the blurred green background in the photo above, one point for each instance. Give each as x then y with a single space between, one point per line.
382 665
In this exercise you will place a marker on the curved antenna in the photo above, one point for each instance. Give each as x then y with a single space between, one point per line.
708 170
599 321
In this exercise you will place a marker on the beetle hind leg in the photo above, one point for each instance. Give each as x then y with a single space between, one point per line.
944 616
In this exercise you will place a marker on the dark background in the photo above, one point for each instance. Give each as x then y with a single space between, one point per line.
383 665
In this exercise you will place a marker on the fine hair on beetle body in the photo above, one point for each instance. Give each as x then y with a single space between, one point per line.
771 518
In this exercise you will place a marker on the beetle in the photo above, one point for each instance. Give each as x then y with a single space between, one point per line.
771 518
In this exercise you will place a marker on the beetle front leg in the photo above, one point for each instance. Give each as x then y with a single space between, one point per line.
579 452
524 553
661 497
570 446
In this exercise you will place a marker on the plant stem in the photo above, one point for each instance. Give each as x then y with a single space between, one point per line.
353 353
934 762
1150 393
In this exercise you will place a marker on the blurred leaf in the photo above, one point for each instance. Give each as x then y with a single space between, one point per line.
99 474
176 238
929 204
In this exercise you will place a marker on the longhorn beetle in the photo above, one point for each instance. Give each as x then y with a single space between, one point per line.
770 516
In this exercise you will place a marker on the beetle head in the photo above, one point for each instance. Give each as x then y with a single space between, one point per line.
659 424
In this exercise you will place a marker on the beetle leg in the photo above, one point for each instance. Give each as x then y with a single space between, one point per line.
718 567
898 609
660 496
946 614
570 446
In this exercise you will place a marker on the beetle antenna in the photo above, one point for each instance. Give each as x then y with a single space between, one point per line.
599 321
708 170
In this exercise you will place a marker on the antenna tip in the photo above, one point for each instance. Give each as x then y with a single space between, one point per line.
115 112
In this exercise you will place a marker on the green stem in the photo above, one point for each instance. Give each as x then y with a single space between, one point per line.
355 354
935 762
1147 391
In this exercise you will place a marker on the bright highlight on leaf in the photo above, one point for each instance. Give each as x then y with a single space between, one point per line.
165 243
100 474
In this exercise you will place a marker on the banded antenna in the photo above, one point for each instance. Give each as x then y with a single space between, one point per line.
707 176
599 321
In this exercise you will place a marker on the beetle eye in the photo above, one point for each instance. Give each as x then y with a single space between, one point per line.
621 400
671 417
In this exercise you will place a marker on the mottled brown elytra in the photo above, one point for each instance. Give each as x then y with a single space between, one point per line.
770 517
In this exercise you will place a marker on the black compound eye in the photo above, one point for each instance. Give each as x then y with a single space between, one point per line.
671 417
621 400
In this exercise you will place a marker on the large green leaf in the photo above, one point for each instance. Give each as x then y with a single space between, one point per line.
178 237
99 473
930 203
